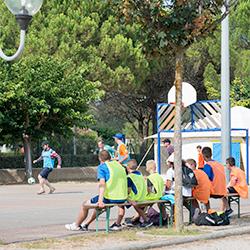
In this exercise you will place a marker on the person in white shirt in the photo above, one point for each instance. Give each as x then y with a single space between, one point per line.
170 182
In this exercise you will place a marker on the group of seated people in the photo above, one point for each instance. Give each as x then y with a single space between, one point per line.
119 185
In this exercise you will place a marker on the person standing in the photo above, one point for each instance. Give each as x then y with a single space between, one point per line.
102 146
122 151
201 161
48 157
168 146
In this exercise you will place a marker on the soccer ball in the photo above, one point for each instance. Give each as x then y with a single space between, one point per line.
31 181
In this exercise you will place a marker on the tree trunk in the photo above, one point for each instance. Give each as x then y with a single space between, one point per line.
27 155
178 141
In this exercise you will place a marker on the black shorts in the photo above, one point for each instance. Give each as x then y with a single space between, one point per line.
231 190
216 196
45 172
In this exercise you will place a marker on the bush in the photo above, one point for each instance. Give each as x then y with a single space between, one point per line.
11 161
15 162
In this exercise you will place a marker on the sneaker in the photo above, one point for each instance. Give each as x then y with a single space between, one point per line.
84 227
229 211
116 227
73 227
52 190
146 224
129 223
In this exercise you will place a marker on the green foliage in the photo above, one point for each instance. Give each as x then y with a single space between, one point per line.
177 23
239 57
39 95
74 50
212 82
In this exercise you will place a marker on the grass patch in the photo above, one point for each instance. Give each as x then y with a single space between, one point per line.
2 243
82 240
42 244
171 232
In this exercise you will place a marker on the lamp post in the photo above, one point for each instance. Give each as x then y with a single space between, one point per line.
23 10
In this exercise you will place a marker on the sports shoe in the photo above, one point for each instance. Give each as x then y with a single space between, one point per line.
129 222
229 211
146 224
73 227
52 190
115 227
84 227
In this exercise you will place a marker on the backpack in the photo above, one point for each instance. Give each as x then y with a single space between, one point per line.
214 219
188 177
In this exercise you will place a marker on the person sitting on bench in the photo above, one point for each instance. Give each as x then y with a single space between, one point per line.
137 190
155 183
216 174
202 191
112 189
237 183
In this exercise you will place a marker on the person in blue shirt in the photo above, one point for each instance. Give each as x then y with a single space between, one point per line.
48 157
112 189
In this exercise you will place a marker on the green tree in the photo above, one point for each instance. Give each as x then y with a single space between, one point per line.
76 37
239 57
40 96
176 25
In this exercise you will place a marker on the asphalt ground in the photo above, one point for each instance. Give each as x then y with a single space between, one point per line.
26 216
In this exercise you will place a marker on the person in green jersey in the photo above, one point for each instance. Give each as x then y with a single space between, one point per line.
112 189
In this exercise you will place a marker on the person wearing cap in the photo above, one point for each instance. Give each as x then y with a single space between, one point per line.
48 157
122 152
168 146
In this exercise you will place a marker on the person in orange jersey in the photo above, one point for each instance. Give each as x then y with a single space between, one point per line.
202 191
201 161
216 174
237 183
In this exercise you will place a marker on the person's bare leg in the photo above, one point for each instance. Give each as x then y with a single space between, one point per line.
225 205
51 188
41 183
92 218
141 212
121 213
83 214
208 205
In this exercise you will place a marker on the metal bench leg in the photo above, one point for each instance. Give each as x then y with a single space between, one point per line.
190 212
238 206
107 219
171 215
229 201
97 220
160 208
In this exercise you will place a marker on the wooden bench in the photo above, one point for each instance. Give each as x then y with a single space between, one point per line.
107 207
232 197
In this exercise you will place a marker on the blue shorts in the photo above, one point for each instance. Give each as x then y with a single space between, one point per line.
106 201
45 172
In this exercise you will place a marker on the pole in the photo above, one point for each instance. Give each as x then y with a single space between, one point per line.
145 155
225 92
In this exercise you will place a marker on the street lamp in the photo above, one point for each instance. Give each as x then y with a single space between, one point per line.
23 10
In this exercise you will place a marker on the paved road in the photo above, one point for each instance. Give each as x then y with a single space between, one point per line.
229 243
24 215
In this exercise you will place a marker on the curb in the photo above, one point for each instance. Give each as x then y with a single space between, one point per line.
184 240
